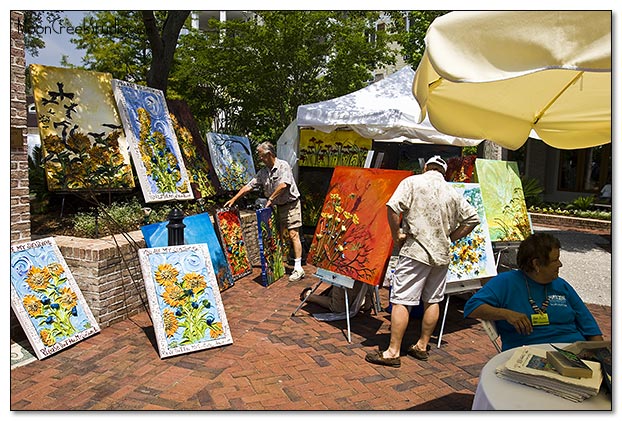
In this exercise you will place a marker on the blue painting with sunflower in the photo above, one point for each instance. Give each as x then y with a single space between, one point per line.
46 298
184 300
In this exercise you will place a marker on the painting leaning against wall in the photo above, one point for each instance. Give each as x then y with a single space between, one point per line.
46 299
272 268
83 141
232 238
153 143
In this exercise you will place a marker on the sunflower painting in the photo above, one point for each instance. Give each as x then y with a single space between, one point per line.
199 229
352 236
83 142
194 150
232 238
184 300
153 143
232 160
337 148
46 299
272 268
471 257
504 200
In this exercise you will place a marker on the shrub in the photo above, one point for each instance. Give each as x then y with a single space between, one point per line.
582 203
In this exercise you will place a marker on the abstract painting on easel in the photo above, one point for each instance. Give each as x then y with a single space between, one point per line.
471 257
272 268
153 143
351 235
46 298
504 200
184 300
83 142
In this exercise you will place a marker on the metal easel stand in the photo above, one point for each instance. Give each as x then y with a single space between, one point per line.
336 280
458 287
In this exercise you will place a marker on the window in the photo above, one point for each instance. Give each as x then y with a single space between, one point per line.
585 170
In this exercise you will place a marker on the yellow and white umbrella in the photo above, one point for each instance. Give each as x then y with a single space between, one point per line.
500 74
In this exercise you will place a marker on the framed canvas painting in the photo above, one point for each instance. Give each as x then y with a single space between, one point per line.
199 229
504 201
232 159
153 143
184 300
232 238
46 298
82 139
460 169
337 148
270 252
194 150
472 256
352 236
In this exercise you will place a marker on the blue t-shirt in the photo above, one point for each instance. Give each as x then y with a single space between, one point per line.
569 318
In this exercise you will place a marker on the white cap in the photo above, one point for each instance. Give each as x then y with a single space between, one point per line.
436 159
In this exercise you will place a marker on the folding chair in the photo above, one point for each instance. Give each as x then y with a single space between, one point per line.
491 330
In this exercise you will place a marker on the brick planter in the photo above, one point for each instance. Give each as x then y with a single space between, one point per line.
107 270
571 223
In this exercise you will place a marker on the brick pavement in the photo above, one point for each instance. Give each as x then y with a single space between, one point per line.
276 362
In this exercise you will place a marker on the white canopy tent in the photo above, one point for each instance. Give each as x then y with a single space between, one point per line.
384 110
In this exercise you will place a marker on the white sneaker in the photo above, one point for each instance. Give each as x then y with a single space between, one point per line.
296 275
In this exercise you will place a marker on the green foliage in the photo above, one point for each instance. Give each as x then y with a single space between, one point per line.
255 74
582 203
562 209
37 182
532 191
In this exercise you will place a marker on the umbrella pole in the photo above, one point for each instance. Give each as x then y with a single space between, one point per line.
547 106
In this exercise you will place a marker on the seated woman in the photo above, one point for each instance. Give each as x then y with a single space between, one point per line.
533 305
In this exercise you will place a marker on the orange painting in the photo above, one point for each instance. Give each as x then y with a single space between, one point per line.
352 236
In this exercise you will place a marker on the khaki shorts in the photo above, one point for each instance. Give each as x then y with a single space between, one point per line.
414 281
290 214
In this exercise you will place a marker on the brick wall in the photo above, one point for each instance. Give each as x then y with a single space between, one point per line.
20 202
571 223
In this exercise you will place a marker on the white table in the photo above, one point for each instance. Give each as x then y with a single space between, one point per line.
494 393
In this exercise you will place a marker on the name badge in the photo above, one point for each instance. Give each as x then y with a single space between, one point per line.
540 319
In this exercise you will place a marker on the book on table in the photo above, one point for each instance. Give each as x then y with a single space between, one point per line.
567 363
599 351
528 365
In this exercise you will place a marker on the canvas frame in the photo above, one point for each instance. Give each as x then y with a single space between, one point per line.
270 251
233 242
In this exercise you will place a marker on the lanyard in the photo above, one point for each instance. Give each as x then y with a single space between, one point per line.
545 303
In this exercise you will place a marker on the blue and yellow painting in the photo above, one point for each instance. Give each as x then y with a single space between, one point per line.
199 229
184 300
46 298
232 160
153 143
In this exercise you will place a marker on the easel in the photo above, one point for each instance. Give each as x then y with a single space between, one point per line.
459 287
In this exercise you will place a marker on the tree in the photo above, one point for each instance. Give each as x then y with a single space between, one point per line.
248 78
413 40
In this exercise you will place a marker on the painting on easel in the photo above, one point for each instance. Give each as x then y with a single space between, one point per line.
153 144
471 257
193 149
82 139
272 268
184 301
351 234
504 200
199 229
232 159
46 299
232 237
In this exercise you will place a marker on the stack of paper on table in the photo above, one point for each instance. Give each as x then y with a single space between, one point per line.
528 366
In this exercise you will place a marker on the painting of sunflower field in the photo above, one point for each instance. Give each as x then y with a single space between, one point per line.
471 257
194 150
46 298
504 200
184 300
337 148
83 142
232 238
199 229
272 268
352 236
153 143
232 160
